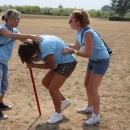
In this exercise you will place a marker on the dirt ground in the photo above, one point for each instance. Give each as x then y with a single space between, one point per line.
114 90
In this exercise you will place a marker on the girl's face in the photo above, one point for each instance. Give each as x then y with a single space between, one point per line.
73 22
13 21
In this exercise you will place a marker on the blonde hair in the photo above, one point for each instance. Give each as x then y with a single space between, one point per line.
10 13
82 16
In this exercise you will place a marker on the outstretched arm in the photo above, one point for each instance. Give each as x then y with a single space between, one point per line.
75 46
72 47
87 52
21 37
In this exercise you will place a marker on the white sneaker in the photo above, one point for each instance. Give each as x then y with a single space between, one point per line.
93 120
55 118
2 116
87 109
65 104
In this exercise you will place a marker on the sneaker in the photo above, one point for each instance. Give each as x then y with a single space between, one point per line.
93 120
65 104
2 116
87 109
4 107
55 118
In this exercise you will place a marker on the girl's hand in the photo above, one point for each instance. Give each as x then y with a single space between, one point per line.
37 38
30 64
67 50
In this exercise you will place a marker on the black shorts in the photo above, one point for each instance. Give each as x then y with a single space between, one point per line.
66 69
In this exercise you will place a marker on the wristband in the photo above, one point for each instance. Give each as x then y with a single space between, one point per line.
75 52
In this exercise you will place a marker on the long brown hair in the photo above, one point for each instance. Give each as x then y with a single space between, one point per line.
27 50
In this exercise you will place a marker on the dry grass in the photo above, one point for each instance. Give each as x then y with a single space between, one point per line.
114 90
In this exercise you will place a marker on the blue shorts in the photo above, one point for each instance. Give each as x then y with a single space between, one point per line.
4 75
98 66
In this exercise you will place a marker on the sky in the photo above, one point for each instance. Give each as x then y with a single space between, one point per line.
79 4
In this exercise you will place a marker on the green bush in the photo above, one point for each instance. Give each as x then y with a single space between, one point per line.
119 18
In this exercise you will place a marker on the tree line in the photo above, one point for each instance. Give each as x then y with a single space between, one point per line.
52 11
116 7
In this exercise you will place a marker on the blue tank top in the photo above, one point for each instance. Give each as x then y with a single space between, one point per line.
99 50
54 45
8 45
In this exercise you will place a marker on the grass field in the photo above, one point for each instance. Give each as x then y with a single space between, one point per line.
114 90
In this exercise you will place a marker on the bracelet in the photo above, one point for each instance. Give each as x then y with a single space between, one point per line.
75 52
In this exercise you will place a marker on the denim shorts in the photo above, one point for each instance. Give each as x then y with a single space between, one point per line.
98 66
4 75
65 69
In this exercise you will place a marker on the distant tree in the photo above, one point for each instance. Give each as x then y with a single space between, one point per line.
92 10
106 8
28 9
36 9
60 6
68 11
11 7
120 7
0 9
5 7
47 11
20 9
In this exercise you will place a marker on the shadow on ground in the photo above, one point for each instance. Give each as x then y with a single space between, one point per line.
46 126
92 127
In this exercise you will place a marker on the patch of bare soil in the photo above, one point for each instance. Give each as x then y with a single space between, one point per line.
114 90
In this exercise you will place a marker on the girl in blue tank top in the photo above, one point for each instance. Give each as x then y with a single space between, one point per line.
59 66
8 35
94 49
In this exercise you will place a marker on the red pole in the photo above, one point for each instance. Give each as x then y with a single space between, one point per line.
34 87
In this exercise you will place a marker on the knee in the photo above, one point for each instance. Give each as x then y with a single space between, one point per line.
86 84
44 83
52 91
88 87
92 90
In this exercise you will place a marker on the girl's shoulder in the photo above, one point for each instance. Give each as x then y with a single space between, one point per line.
3 26
14 30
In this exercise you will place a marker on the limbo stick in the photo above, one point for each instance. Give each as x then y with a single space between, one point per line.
34 87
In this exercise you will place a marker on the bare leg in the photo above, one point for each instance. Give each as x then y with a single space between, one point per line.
54 87
86 83
1 98
46 81
94 83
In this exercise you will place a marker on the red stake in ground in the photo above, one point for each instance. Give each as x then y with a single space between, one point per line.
34 87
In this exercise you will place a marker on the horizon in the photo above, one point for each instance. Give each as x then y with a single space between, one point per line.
87 5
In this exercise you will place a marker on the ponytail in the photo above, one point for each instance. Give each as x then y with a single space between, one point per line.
3 17
82 16
85 18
